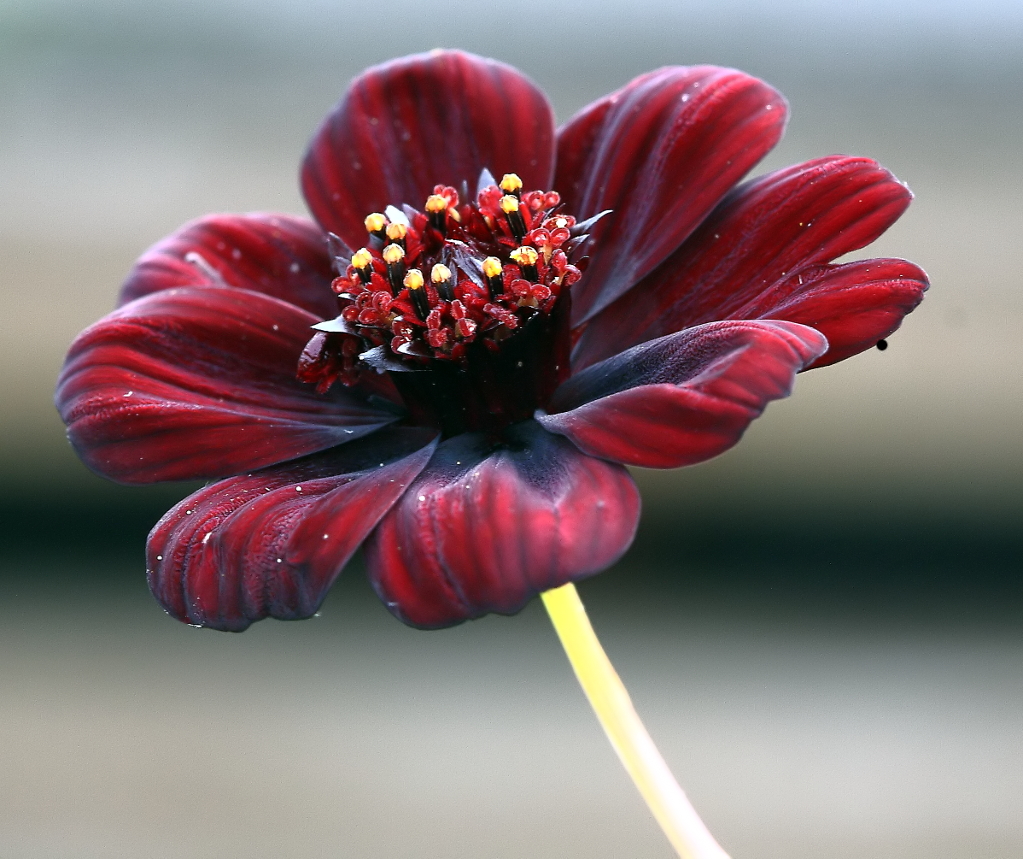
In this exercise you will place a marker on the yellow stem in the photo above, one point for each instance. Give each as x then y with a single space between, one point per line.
610 701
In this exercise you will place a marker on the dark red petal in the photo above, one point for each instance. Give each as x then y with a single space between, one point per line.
278 255
853 305
660 152
485 529
760 234
683 398
413 123
199 382
271 543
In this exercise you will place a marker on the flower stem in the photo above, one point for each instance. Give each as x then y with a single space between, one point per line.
610 701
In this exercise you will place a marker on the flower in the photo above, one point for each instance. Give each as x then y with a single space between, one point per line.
453 370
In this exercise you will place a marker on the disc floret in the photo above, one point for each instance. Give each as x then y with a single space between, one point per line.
435 286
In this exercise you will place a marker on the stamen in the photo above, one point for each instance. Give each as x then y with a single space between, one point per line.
526 258
396 234
413 282
375 224
511 184
441 278
431 283
394 256
510 207
492 272
362 262
436 209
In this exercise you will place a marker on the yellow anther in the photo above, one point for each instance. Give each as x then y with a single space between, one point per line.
441 276
393 254
375 222
436 203
511 183
509 204
525 255
413 279
362 258
396 232
420 300
493 274
492 267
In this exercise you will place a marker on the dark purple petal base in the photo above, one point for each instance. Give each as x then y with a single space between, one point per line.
683 398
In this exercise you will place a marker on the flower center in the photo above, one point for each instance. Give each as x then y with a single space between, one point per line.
464 304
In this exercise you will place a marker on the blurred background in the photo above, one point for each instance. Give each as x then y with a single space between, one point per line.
822 628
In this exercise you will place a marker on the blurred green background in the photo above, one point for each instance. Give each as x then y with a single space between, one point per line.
822 627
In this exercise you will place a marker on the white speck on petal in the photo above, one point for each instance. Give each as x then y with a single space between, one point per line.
206 539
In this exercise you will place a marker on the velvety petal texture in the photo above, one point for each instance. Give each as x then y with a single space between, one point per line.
197 383
485 529
683 398
410 124
271 543
687 303
853 305
762 234
660 153
277 255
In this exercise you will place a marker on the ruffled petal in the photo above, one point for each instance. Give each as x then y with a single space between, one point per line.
852 305
486 528
660 153
762 233
271 543
198 383
413 123
279 255
683 398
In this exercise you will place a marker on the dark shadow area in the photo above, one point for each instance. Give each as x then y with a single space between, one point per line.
890 566
843 557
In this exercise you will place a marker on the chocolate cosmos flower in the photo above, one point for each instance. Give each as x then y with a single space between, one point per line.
486 321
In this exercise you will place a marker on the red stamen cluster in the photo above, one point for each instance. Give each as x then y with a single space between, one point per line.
429 284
